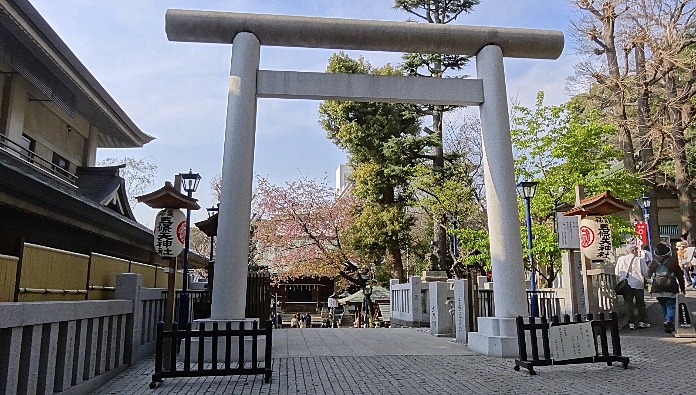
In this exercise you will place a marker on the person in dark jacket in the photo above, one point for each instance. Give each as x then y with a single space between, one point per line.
666 288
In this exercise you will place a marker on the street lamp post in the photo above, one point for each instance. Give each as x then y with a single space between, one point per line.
453 221
367 291
526 190
646 204
189 182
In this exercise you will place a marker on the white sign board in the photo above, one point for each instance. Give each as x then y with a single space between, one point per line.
568 231
333 302
170 232
571 341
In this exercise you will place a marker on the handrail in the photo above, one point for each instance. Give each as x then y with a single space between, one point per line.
102 287
52 291
37 160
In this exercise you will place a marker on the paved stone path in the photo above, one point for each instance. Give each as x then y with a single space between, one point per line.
406 361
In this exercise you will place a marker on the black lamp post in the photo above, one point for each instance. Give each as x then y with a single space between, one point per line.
189 183
453 220
646 204
526 190
367 291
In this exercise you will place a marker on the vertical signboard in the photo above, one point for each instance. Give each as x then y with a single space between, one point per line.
568 231
686 317
642 231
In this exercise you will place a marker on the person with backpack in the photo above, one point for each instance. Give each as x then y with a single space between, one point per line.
632 268
667 281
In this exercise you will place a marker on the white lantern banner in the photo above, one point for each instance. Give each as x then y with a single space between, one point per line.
595 237
170 232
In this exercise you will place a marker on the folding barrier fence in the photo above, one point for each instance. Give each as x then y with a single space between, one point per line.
581 341
169 342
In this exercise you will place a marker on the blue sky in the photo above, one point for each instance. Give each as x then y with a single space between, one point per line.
177 92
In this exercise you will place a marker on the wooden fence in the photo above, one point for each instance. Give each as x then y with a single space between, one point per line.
258 296
193 365
42 274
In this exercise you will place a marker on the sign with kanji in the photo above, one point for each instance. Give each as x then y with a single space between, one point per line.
686 316
642 232
568 232
571 341
595 237
170 232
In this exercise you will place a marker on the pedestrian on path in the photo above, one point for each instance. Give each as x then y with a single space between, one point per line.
668 280
684 256
630 267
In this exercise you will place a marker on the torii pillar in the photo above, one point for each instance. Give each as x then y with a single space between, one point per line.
498 336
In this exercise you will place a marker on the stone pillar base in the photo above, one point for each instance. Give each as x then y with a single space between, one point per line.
497 337
221 343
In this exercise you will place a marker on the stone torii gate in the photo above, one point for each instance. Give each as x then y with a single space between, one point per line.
247 32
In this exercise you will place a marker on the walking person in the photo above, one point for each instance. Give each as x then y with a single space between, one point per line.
684 256
308 320
645 255
668 281
634 269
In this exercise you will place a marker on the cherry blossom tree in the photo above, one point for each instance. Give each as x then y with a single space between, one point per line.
300 229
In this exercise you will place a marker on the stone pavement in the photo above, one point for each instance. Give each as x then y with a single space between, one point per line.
407 361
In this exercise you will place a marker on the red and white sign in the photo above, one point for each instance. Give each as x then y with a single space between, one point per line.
642 232
170 232
595 237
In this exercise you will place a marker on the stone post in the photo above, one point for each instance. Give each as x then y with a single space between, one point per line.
440 318
229 289
128 287
497 335
461 316
416 307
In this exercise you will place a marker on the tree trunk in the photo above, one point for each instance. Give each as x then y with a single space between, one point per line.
681 175
646 147
608 18
396 263
439 256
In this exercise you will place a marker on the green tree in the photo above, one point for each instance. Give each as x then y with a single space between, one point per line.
561 149
384 143
644 85
436 65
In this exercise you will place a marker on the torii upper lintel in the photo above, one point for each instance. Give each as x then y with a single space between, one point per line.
367 35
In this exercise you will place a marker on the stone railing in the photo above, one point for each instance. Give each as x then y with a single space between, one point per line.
409 303
76 346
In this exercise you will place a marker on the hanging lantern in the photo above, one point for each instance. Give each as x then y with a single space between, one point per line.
595 237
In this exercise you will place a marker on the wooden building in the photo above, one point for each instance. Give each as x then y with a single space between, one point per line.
54 115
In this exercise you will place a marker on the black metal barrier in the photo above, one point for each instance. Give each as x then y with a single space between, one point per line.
180 339
600 328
